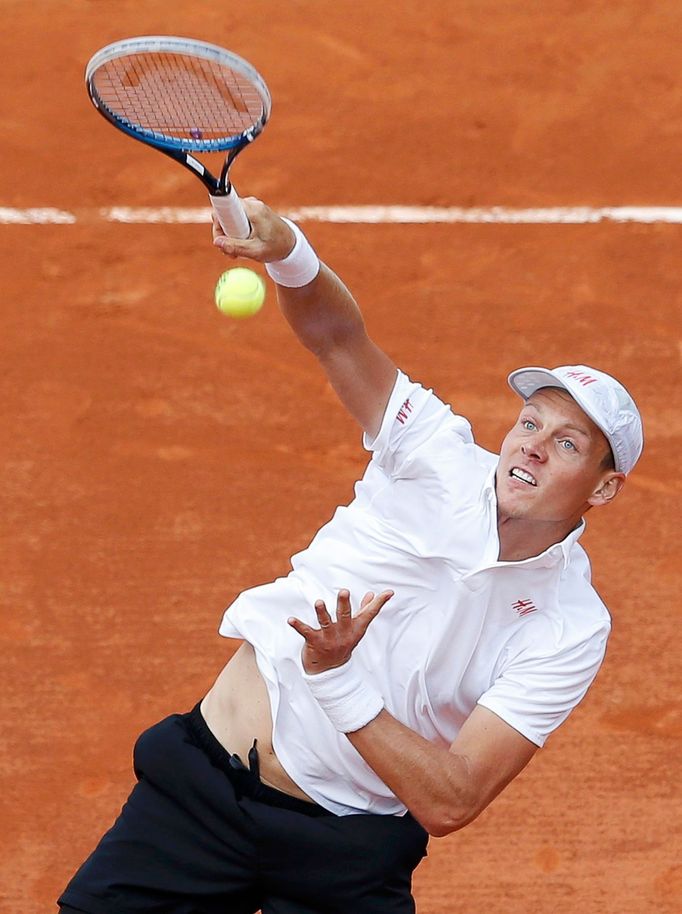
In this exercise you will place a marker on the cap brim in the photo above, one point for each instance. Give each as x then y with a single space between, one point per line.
525 381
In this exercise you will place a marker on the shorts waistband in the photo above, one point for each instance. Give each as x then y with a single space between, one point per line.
246 781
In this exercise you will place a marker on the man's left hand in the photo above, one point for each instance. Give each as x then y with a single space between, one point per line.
333 642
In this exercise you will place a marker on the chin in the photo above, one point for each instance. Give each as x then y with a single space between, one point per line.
514 513
512 507
512 499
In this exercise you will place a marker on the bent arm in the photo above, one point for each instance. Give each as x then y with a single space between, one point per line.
445 789
325 318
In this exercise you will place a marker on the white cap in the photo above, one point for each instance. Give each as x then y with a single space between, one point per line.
604 399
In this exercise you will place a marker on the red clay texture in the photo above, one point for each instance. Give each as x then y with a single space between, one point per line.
156 457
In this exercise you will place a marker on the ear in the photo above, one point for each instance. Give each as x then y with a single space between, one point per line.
609 486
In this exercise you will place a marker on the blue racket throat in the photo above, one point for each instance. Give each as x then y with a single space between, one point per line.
162 142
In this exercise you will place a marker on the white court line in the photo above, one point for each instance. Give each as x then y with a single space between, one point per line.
368 215
35 216
570 215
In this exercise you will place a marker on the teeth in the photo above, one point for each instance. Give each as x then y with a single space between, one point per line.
522 475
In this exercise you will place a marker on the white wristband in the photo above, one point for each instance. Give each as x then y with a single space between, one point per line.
299 267
348 700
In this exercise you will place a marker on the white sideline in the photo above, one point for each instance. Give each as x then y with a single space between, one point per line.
415 215
35 216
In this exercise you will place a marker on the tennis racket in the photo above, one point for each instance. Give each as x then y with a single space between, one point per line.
182 96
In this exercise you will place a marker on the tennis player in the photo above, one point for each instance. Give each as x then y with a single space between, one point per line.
431 637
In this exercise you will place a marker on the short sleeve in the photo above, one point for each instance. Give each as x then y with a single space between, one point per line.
537 690
413 416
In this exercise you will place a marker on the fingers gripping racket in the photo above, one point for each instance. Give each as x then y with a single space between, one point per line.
182 96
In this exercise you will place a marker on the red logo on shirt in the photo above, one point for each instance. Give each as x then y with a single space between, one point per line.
523 607
404 411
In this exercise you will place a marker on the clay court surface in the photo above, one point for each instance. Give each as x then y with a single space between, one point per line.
157 458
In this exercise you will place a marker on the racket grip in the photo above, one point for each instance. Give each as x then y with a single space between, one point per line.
231 215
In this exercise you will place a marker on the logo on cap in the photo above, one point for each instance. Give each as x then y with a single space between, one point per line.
581 377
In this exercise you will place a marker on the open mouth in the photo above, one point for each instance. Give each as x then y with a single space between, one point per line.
523 476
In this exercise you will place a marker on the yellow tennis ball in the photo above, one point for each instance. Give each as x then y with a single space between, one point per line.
239 292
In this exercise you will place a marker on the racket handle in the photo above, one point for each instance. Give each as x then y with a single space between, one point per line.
231 215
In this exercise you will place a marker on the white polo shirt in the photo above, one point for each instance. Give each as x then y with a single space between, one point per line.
524 639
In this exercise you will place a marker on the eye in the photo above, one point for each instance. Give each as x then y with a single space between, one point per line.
567 444
529 425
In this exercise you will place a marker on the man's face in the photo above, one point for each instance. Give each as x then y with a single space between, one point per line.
551 461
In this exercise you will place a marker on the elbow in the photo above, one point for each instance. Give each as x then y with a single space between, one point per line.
443 820
459 801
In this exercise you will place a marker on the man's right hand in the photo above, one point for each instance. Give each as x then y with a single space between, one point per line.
270 239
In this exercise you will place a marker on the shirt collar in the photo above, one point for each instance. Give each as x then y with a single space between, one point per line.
489 486
570 539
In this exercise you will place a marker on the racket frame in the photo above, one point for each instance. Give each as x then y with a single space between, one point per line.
181 149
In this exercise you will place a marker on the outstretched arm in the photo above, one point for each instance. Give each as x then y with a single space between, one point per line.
325 318
444 789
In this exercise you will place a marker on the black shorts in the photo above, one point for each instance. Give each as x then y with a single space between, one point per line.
201 834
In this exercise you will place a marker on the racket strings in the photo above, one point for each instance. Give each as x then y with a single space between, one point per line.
186 98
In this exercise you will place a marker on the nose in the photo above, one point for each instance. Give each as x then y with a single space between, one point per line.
534 449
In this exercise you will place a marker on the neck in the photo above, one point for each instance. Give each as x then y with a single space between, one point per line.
521 538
